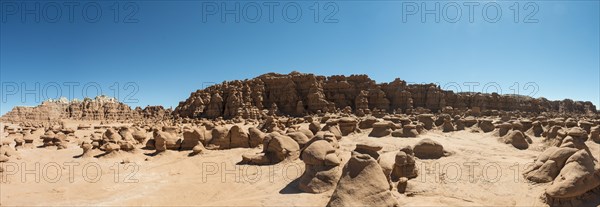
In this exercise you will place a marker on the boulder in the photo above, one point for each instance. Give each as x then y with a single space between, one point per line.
486 125
548 164
198 149
220 138
191 137
281 147
469 121
517 139
333 127
111 135
255 137
370 148
381 129
322 170
314 127
537 129
428 149
367 123
139 136
348 125
595 134
447 126
362 184
586 125
299 137
164 140
427 120
503 128
238 137
404 166
579 175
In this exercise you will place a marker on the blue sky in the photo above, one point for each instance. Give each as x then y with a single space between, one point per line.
165 50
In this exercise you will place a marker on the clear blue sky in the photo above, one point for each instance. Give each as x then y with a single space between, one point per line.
171 50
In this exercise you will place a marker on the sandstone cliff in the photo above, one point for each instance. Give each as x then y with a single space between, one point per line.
99 108
298 94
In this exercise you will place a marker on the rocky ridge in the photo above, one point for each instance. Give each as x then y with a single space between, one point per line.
100 108
299 94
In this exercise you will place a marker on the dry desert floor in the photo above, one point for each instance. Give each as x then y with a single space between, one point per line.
481 171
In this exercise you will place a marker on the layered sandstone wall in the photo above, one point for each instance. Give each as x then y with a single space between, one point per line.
100 108
298 94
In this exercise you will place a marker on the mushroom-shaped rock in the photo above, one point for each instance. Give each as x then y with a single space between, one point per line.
580 174
139 136
314 127
306 132
570 122
595 134
111 135
333 127
503 128
19 142
327 136
447 126
255 137
469 121
367 123
191 137
7 151
381 129
48 138
460 124
409 130
299 137
517 139
198 149
220 138
427 120
548 164
160 141
60 141
87 149
526 123
28 138
428 149
517 126
126 145
110 147
362 184
239 137
586 125
537 129
370 148
404 166
571 170
577 133
553 132
281 147
321 167
127 134
486 125
348 125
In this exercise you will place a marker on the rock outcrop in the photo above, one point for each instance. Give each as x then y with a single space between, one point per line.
298 94
571 169
428 149
276 148
362 184
322 169
100 108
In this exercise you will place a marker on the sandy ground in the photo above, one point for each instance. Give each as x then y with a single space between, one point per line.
480 172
